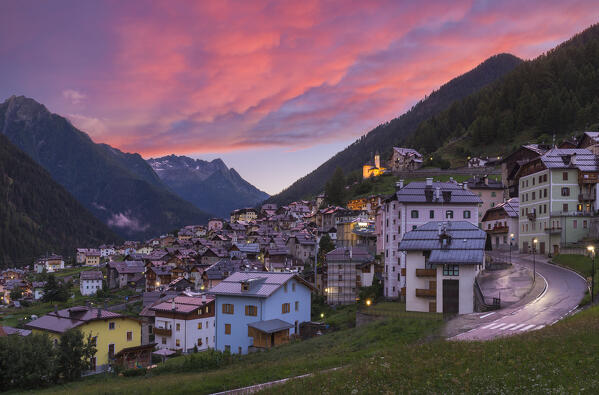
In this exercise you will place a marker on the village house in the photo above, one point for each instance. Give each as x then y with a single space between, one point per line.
405 159
157 276
92 257
258 310
590 141
185 323
119 274
302 246
476 162
558 199
50 263
414 205
90 282
38 289
348 269
488 190
442 262
244 215
111 332
215 224
512 163
501 224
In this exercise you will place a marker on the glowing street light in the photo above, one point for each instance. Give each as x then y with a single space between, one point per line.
321 315
368 302
511 241
534 263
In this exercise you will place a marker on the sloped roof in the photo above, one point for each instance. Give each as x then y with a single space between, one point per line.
568 158
464 244
358 254
63 320
406 151
270 326
416 192
511 208
263 284
91 275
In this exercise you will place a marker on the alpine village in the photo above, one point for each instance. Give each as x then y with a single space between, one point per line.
448 250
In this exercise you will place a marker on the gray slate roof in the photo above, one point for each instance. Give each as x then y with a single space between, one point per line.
465 244
511 208
270 326
263 285
570 158
91 275
419 192
341 254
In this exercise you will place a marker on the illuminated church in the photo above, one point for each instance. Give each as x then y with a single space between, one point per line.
373 169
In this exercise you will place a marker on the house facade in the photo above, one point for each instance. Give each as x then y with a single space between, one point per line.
442 262
348 269
111 332
558 199
502 224
488 190
405 159
185 323
90 282
414 205
259 310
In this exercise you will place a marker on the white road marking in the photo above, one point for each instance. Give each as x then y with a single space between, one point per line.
527 327
539 327
486 315
517 327
500 326
508 326
489 325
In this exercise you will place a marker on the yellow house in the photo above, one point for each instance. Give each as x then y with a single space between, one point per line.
92 259
112 332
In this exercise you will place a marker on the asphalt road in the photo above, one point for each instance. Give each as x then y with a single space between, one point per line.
560 298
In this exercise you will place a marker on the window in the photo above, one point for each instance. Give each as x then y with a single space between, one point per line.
200 342
199 325
533 196
227 329
579 207
413 227
414 213
565 191
285 287
111 325
584 224
431 214
493 194
95 341
565 176
178 343
285 308
449 214
545 192
227 348
533 181
164 340
297 303
467 214
129 336
293 287
565 207
251 310
110 350
540 179
228 308
451 270
575 224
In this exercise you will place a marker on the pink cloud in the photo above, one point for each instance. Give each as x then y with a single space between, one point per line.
192 77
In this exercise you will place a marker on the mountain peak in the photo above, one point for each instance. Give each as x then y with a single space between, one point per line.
23 108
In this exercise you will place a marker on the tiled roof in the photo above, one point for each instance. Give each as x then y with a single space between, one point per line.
91 275
464 243
479 183
571 158
406 151
449 192
183 304
263 283
63 320
511 208
342 254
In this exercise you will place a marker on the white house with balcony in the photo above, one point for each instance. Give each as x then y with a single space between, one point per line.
414 205
442 262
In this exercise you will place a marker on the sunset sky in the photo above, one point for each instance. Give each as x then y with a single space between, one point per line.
273 88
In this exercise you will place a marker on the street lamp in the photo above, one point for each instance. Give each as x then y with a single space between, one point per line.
592 251
511 240
534 263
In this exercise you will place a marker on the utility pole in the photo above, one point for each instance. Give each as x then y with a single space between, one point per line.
534 263
592 251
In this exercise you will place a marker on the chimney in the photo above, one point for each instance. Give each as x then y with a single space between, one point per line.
350 252
486 179
56 309
465 186
173 306
399 185
203 298
437 193
429 182
450 179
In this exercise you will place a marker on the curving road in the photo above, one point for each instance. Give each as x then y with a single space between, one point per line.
561 296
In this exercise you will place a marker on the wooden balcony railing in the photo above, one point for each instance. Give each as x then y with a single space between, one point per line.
163 332
425 293
426 273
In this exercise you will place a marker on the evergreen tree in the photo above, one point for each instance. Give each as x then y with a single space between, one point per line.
74 354
335 188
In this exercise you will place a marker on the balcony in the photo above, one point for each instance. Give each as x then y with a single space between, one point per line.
498 229
426 273
426 293
531 216
586 196
553 230
162 332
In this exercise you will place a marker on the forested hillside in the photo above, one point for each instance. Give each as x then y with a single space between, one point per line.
384 136
37 215
557 93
